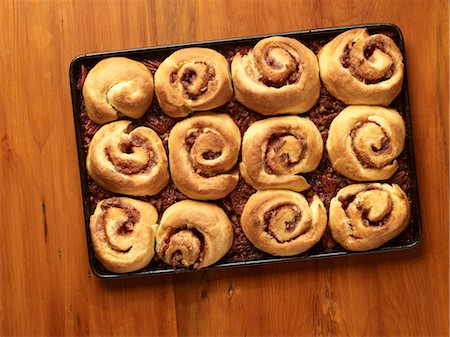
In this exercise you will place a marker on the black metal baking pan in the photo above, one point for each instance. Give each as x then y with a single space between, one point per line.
79 66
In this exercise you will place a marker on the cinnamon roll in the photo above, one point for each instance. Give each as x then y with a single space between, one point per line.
363 142
365 216
276 149
279 75
123 233
359 68
117 86
193 79
202 153
193 234
126 160
282 222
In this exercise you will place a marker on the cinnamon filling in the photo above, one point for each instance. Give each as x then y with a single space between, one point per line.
368 51
276 143
177 256
191 138
364 158
189 141
286 79
377 221
291 79
190 76
129 166
289 226
346 200
125 228
376 44
173 77
210 155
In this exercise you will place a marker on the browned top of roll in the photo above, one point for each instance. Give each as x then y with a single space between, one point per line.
276 149
128 160
365 216
279 75
359 68
117 86
282 222
364 141
193 79
193 234
203 150
123 233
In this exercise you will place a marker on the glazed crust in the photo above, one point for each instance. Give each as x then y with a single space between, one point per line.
363 142
123 233
193 79
365 216
279 75
117 86
132 163
202 153
193 234
359 68
276 149
282 223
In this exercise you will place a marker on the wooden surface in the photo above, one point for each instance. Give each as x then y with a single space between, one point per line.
46 287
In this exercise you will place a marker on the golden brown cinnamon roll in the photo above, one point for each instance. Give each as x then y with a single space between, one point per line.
193 79
202 151
359 68
282 223
117 86
276 149
365 216
128 161
193 234
279 75
363 142
123 233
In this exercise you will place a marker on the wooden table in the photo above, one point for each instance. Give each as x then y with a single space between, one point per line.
46 287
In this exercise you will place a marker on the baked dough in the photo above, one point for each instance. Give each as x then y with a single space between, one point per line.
279 75
123 233
128 162
365 216
193 234
359 68
193 79
117 86
363 142
276 149
202 153
282 223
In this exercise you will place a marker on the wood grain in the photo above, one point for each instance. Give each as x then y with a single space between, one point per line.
46 287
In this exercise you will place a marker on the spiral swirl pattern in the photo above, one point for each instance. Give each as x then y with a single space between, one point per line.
127 161
275 150
193 234
193 79
364 141
202 151
280 75
117 86
365 216
359 68
282 223
123 233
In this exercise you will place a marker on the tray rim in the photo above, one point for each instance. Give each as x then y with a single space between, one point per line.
415 207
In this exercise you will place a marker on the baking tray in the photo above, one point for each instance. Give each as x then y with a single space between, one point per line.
410 238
